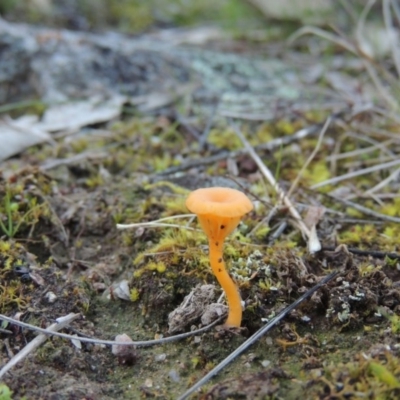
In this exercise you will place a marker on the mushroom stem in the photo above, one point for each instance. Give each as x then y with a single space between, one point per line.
231 291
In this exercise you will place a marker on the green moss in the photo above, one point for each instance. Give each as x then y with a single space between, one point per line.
375 378
131 16
21 209
224 138
5 392
366 269
262 232
268 285
359 234
286 127
94 181
13 294
317 172
392 209
382 374
79 145
4 247
134 294
176 205
174 188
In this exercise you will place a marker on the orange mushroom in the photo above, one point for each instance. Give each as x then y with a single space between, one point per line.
219 211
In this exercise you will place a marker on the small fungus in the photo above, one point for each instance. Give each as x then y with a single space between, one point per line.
219 211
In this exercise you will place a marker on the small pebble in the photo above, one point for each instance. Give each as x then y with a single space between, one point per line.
173 374
160 357
268 341
148 383
265 363
51 297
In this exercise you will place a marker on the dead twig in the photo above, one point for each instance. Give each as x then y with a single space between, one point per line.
310 158
271 179
89 155
158 223
371 253
354 174
392 177
367 211
61 323
358 152
387 17
139 343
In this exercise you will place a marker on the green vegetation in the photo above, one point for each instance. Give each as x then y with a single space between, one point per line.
5 392
17 214
135 16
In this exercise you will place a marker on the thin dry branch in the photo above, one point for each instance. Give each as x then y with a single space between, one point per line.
392 177
323 34
354 174
387 17
396 9
158 223
363 137
61 323
310 158
361 21
367 211
139 343
270 178
92 155
358 152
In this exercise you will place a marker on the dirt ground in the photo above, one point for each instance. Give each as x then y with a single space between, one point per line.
61 251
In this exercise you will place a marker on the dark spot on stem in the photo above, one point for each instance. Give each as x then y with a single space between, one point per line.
217 243
219 270
222 226
220 260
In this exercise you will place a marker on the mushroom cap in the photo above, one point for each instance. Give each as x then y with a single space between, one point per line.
219 201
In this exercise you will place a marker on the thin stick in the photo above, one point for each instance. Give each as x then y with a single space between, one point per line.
387 17
372 253
261 332
312 155
157 223
396 10
142 343
92 155
41 338
270 177
323 34
382 146
379 85
354 174
393 176
349 9
153 225
265 220
362 151
367 211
